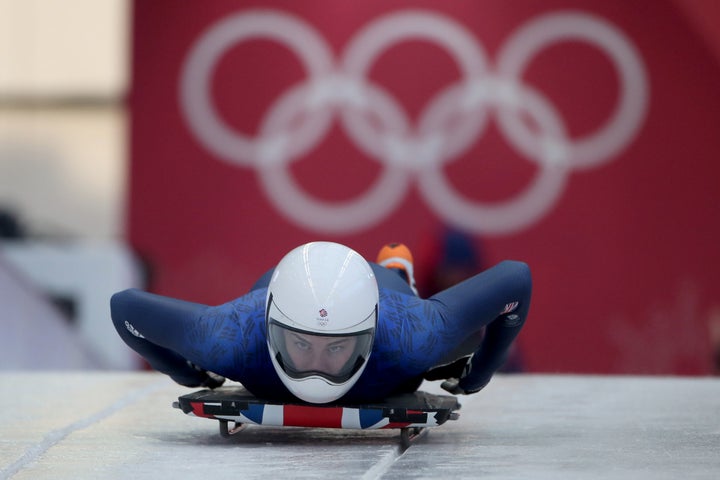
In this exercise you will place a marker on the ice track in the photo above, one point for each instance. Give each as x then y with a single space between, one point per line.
121 425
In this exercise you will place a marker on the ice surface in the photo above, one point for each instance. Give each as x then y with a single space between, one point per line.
121 425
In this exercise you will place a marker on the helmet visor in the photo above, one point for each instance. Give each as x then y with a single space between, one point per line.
335 357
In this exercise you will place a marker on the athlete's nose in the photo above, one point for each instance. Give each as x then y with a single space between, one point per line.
318 362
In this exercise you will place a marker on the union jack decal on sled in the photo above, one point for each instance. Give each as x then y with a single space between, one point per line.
411 412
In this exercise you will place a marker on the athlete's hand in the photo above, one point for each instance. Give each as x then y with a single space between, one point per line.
213 380
208 379
454 369
452 385
465 383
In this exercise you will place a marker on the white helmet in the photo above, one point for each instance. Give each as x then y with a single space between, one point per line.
321 315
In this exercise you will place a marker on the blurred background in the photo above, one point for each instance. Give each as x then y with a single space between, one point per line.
184 147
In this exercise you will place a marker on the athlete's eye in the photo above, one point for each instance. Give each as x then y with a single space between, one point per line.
336 348
300 345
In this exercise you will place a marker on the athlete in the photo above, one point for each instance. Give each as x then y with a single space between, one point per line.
325 325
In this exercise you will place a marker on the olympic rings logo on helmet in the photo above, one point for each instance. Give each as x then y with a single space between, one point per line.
412 151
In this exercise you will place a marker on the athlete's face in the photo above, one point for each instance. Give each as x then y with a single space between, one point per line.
322 354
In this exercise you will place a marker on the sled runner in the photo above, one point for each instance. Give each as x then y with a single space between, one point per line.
412 413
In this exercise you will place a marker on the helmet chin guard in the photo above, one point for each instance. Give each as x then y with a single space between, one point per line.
321 316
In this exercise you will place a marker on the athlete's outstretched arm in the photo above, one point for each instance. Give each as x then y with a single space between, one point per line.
153 326
497 299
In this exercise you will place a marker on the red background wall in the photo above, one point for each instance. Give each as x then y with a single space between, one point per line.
625 261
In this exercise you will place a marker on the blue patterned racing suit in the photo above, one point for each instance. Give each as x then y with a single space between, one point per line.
415 338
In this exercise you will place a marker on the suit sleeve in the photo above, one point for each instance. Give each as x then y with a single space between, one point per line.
498 300
154 327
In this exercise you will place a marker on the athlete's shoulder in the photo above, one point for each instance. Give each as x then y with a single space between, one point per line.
397 307
132 296
253 300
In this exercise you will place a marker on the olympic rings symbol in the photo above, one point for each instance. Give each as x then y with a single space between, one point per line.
410 151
